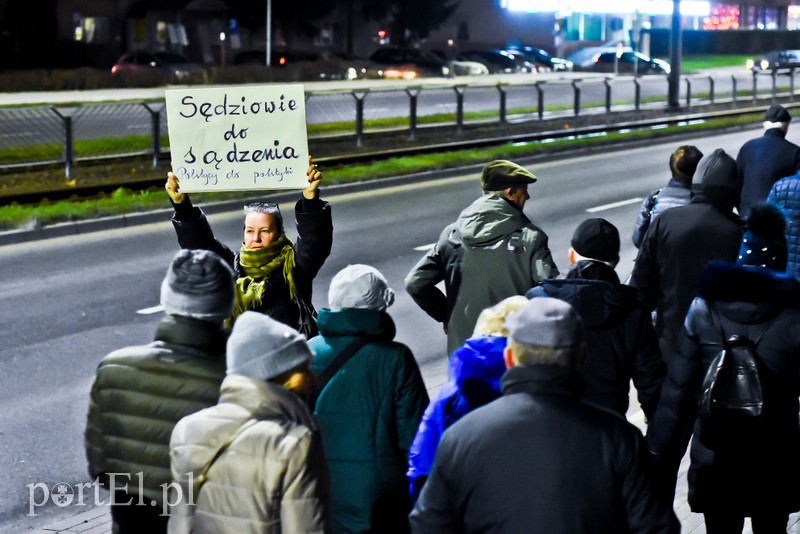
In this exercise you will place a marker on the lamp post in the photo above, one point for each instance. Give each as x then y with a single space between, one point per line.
222 49
268 43
674 80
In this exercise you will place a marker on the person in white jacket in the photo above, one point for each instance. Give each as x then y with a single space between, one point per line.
254 462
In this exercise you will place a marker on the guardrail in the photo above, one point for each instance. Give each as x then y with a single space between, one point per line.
47 136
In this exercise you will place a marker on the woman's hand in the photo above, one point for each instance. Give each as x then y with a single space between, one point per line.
314 178
173 189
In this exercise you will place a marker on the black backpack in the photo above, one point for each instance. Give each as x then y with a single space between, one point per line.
731 406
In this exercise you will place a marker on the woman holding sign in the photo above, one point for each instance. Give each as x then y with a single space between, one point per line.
273 275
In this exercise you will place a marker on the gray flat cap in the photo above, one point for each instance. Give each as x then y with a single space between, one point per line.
546 322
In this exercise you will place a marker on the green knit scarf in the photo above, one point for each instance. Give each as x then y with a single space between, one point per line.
257 265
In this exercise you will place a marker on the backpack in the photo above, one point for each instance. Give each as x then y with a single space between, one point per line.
731 405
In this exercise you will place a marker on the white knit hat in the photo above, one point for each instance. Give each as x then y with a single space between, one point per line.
261 347
359 286
198 284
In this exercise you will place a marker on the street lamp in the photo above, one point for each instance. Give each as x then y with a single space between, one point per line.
674 77
268 47
222 48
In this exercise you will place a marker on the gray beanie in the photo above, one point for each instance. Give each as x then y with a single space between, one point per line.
359 286
198 284
261 347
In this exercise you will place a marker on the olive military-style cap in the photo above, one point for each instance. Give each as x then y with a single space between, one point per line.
500 174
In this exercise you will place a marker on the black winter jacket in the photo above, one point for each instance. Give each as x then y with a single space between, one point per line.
538 460
619 336
312 248
763 161
753 475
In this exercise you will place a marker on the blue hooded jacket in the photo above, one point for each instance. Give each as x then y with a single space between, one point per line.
475 371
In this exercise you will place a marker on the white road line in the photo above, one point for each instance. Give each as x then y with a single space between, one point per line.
613 205
151 310
425 248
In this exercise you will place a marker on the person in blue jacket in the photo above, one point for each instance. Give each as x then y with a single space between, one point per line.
475 371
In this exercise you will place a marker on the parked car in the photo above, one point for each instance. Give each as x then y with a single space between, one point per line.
497 61
528 63
461 65
541 56
409 63
775 60
310 65
169 66
624 61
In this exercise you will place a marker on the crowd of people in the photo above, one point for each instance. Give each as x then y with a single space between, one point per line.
253 412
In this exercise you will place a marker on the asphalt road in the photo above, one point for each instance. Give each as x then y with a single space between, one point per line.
69 301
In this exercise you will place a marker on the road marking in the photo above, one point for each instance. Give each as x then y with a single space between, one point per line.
613 205
151 310
425 248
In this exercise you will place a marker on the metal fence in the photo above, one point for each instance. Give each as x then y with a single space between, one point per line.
61 135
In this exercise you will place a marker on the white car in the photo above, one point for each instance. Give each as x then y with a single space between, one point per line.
464 67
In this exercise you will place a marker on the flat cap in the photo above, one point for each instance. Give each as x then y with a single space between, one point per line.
546 322
500 174
777 113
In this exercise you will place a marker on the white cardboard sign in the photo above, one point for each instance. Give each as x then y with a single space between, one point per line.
238 138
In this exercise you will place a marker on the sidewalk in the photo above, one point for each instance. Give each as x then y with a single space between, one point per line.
98 520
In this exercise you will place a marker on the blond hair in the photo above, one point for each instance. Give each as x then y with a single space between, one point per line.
490 321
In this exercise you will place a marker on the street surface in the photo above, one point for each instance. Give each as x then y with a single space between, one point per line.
69 301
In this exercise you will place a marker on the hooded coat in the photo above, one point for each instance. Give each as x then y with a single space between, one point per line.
271 478
682 241
538 460
312 248
475 370
763 161
752 476
368 413
619 336
491 252
786 194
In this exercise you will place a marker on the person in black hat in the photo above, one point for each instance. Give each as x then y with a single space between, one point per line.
491 252
755 474
763 161
682 164
538 459
620 339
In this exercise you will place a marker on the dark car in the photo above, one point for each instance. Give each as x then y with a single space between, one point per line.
497 61
624 61
542 57
409 63
775 60
167 66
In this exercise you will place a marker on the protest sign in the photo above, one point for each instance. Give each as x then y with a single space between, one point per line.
238 138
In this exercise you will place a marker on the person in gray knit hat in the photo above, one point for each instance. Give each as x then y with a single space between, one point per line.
370 401
140 392
596 459
259 442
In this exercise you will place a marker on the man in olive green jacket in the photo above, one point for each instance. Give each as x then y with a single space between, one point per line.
140 392
490 253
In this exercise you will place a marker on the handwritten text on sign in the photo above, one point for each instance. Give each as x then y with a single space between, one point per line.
235 138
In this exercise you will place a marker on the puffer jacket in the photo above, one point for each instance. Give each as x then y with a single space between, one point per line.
475 371
368 413
312 248
138 395
657 202
491 252
271 478
763 161
785 193
754 475
619 337
538 460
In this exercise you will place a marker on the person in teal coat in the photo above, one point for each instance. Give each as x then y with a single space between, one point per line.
370 408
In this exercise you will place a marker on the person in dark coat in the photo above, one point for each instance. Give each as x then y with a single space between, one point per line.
785 194
620 339
538 459
370 408
766 159
681 242
682 164
273 275
755 475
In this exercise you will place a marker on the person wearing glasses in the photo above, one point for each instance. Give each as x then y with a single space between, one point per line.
273 275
